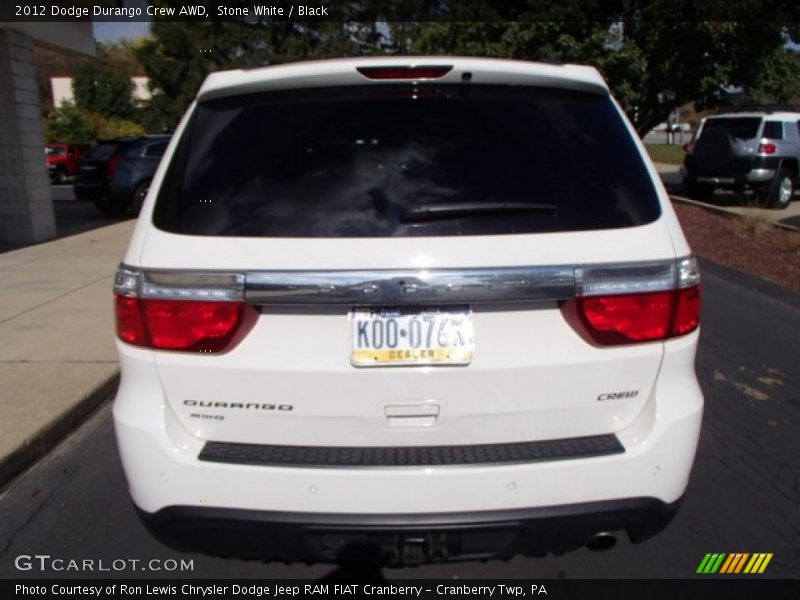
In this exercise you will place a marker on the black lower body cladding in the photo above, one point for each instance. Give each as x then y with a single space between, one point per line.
404 539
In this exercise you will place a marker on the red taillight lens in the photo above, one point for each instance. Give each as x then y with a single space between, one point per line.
113 162
629 318
687 147
130 321
405 72
192 325
687 311
767 149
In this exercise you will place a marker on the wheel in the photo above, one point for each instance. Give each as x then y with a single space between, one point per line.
139 194
60 176
698 191
778 193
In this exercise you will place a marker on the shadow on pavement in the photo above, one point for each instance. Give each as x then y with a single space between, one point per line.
72 217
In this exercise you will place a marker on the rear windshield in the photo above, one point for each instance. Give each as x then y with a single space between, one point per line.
155 149
743 128
54 150
379 161
101 151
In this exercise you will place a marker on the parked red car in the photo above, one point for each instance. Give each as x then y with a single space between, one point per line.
63 160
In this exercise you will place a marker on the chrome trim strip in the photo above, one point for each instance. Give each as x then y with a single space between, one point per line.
484 285
399 287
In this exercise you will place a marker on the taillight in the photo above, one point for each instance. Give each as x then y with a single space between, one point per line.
111 168
767 148
687 147
642 303
186 312
405 72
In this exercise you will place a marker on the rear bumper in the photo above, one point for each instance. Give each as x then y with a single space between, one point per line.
745 172
89 191
404 539
263 509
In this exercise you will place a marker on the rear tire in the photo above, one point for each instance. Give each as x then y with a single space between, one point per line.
778 193
60 176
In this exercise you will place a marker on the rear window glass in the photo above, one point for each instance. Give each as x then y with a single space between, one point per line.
101 151
773 130
743 128
55 151
379 161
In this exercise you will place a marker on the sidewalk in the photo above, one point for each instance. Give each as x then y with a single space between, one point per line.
57 358
788 217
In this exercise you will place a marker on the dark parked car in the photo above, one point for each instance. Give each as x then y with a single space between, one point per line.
116 174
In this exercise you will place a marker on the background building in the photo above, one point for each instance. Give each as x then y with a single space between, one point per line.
26 208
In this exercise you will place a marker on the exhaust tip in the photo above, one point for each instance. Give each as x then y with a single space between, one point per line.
601 541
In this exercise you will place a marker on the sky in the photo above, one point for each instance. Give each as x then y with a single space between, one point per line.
117 31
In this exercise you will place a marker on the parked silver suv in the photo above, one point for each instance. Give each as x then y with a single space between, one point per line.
746 149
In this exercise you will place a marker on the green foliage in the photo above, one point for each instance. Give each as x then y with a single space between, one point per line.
655 54
105 127
652 66
70 124
781 81
103 85
179 55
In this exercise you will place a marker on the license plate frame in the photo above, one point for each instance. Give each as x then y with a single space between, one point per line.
444 336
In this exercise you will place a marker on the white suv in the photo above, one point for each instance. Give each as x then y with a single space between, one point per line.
415 309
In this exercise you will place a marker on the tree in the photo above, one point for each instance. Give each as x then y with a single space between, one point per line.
103 85
781 81
73 125
655 54
179 55
68 124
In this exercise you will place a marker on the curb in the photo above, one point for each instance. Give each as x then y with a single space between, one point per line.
754 283
55 431
721 211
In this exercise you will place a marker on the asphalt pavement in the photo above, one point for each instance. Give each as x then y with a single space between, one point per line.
743 496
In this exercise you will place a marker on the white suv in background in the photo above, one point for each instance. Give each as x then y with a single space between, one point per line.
409 308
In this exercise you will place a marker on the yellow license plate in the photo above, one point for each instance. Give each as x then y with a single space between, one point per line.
411 336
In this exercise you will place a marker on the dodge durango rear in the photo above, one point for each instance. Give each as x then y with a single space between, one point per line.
413 309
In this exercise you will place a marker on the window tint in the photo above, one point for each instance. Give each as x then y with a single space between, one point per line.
155 149
55 151
773 130
743 128
374 161
101 151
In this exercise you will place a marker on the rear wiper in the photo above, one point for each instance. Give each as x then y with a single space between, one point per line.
453 210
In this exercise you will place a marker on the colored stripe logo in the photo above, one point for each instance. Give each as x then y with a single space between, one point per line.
734 563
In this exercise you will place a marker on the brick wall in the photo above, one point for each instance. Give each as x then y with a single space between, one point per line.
26 208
